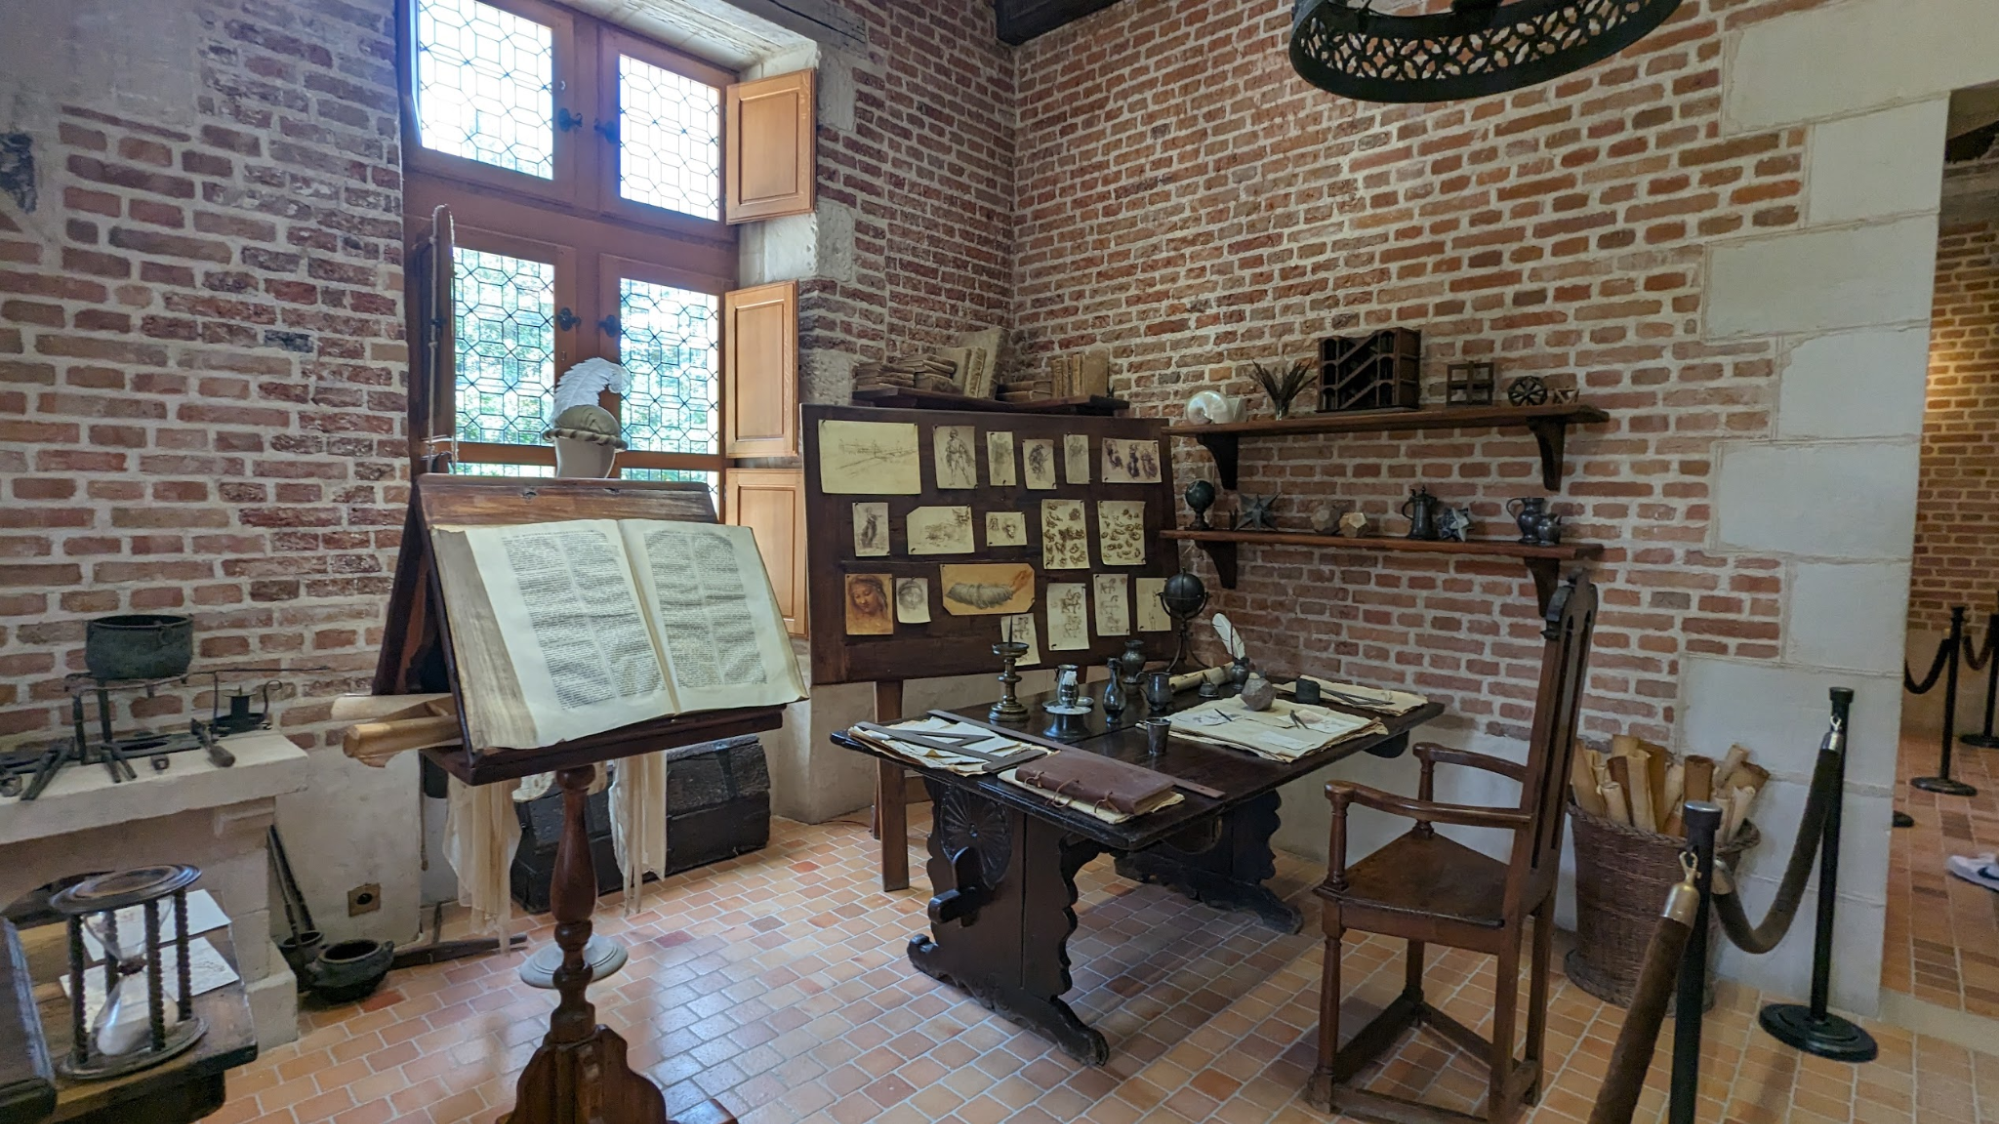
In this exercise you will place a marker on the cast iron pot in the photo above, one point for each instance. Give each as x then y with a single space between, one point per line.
349 970
138 646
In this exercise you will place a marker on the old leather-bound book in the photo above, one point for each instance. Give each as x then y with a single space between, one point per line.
1099 780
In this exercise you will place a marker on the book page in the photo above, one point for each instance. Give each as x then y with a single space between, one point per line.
575 632
720 633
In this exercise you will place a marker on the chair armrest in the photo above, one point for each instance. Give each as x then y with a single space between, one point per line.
1471 816
1430 753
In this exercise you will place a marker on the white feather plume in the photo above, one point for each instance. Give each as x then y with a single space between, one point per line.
1231 640
581 384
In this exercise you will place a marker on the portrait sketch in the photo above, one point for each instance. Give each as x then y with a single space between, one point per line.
868 613
912 600
1006 529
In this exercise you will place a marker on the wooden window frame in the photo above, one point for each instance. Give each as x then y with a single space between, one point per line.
613 42
610 269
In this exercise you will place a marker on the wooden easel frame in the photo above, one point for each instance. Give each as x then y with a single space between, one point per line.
579 1073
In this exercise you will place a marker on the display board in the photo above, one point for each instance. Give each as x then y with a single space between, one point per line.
932 535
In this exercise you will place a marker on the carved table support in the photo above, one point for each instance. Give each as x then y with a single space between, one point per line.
1225 868
1003 914
579 1073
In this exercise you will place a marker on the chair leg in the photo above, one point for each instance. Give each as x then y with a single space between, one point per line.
1506 998
1537 995
1412 972
1320 1093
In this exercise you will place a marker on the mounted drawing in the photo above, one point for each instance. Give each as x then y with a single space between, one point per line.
1121 532
1065 538
940 531
1152 615
1113 605
1068 616
957 465
912 601
869 458
1039 454
1076 458
978 589
1127 461
1006 529
870 529
999 459
868 605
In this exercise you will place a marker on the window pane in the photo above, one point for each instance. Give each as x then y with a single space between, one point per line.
670 144
484 85
506 347
671 349
712 480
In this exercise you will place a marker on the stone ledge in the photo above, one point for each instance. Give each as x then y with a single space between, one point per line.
84 797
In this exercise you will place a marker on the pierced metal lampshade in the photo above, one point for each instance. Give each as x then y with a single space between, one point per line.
1475 48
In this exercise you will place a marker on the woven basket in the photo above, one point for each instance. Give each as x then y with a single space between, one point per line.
1622 876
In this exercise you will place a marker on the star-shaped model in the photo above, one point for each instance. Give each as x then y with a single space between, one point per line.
1256 514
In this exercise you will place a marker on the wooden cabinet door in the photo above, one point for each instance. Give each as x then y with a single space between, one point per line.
771 503
760 371
769 148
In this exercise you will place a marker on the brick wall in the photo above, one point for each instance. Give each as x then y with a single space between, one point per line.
202 366
1187 200
1957 512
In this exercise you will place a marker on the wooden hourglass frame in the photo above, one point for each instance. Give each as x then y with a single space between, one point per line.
99 899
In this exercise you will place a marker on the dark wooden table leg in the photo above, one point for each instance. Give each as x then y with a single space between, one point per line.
1225 869
891 799
579 1073
1001 919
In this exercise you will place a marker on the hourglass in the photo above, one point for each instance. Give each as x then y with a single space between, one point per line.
130 1025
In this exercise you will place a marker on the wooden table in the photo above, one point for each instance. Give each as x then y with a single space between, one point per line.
187 1087
1003 861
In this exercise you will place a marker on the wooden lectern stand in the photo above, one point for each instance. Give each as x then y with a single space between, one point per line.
579 1073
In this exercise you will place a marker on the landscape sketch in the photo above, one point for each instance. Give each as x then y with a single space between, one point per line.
869 458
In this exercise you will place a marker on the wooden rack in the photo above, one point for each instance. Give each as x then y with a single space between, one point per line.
1549 425
909 398
1544 563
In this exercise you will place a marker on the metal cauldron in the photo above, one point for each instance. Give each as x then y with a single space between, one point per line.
138 646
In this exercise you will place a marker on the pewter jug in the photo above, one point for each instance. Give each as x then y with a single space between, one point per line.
1528 516
1422 508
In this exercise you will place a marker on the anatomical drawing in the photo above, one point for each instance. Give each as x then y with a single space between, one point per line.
977 589
957 464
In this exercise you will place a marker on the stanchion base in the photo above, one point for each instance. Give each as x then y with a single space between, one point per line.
1982 741
1828 1037
1945 785
1904 820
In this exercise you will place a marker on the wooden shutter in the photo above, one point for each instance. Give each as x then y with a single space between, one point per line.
771 503
431 330
768 149
760 371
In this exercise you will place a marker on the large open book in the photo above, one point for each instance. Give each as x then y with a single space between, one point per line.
562 630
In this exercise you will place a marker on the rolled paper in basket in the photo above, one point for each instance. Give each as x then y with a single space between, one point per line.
1700 779
1614 806
1676 788
1726 770
1583 783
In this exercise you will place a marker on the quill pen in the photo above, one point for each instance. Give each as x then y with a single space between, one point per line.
1231 640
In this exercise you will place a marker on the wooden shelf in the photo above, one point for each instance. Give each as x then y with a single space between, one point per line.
1544 563
1549 425
909 398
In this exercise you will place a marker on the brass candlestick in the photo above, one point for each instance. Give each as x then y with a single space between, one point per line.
1009 709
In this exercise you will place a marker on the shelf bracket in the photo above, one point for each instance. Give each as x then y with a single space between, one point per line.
1224 555
1551 434
1547 574
1225 448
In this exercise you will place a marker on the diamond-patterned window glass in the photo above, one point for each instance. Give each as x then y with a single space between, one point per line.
506 347
499 469
669 143
485 83
671 350
712 480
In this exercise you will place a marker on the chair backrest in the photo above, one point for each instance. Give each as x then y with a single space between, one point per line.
1537 851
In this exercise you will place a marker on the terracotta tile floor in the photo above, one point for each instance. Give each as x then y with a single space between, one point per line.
1943 932
777 984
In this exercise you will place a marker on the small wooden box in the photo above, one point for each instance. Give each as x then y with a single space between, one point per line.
1380 371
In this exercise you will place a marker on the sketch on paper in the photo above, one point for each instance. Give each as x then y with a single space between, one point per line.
977 589
1020 627
999 459
912 600
1121 532
868 605
1152 616
1131 461
957 464
1075 463
1065 537
1068 616
877 458
939 531
1006 529
1040 456
870 529
1113 609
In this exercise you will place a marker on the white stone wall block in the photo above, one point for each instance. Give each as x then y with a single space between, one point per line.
1829 500
1821 280
1860 384
1846 615
1781 714
1786 971
1864 839
1877 164
1838 59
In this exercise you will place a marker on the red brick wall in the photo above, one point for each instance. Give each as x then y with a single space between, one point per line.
1187 200
1957 509
202 366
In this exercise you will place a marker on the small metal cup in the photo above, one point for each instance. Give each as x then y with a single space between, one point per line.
1159 690
1157 732
1307 690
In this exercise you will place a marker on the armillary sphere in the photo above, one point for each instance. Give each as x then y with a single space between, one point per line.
1473 48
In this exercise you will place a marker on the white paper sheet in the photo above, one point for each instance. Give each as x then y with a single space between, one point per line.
203 914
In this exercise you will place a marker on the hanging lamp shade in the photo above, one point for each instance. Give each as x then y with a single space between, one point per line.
1474 48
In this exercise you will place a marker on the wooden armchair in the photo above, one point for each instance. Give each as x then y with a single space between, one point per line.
1427 888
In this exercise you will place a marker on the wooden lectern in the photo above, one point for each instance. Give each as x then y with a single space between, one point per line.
579 1073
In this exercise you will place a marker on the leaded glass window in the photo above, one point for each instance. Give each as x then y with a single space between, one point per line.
670 344
485 85
505 346
670 143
